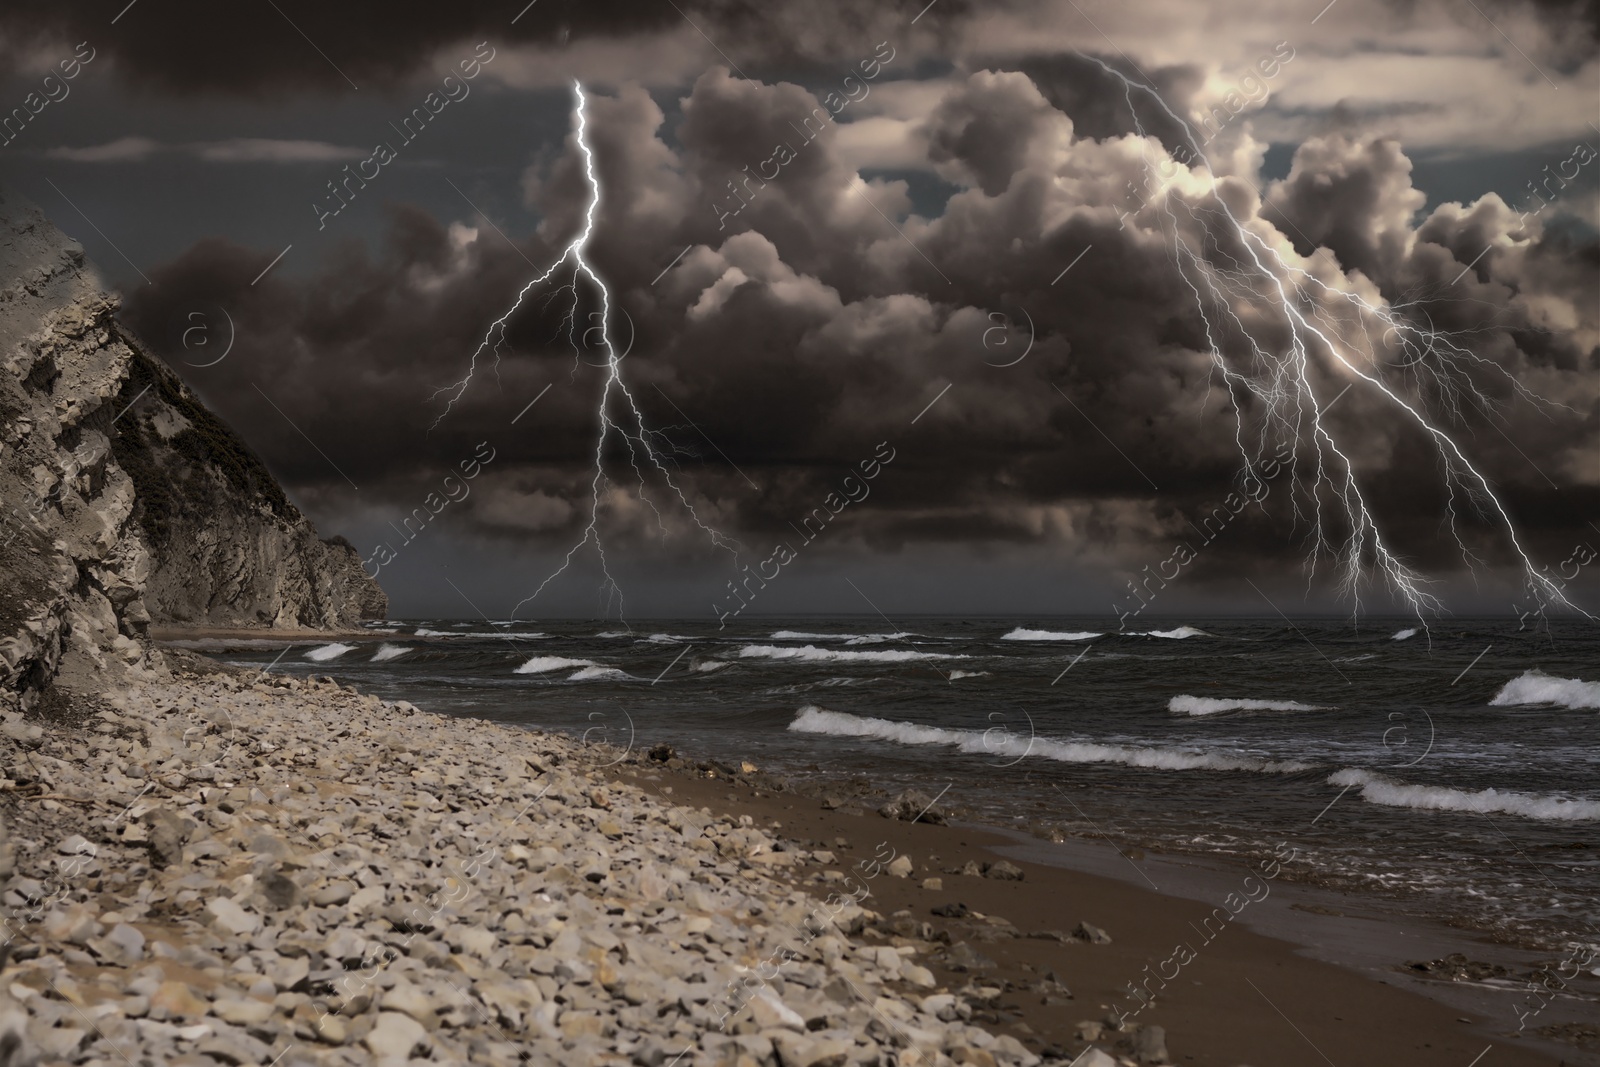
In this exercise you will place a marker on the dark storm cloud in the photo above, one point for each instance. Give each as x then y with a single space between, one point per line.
294 48
783 347
194 47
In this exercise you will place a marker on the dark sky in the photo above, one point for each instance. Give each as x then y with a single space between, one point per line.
998 210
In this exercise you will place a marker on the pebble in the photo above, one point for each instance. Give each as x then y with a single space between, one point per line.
354 881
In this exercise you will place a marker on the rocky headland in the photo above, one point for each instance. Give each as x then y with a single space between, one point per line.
124 502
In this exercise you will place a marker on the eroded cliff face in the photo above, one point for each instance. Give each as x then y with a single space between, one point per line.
123 501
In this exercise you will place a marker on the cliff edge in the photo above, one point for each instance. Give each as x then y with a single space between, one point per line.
123 500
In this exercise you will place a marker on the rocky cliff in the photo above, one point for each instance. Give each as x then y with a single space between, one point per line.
123 500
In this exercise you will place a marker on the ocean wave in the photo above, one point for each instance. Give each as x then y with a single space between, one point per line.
387 651
968 674
814 720
667 639
1536 687
849 639
590 674
806 687
1174 635
1376 789
706 666
813 654
1022 633
1401 635
479 633
1187 705
541 664
614 633
323 653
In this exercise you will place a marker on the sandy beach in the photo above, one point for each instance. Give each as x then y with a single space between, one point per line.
1245 998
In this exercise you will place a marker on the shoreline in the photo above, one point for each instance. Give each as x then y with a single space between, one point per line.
1062 990
220 865
1306 947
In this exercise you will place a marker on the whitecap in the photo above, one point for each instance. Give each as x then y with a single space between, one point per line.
614 633
590 674
667 639
1176 635
1376 789
1023 634
1536 687
541 664
706 666
813 654
967 674
814 720
1184 704
1401 635
849 639
326 652
498 635
387 651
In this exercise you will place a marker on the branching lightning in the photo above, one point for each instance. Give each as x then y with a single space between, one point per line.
1283 324
642 442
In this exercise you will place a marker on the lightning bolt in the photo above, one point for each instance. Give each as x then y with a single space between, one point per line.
643 443
1283 322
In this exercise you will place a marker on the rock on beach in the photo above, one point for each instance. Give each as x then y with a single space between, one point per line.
355 881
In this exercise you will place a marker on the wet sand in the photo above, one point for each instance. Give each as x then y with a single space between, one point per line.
1244 998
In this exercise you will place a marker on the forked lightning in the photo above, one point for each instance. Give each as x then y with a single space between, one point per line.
630 425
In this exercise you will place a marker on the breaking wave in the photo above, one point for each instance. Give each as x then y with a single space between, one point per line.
1187 705
815 720
813 654
1401 635
541 664
849 639
387 651
1023 634
1536 687
590 674
327 652
1174 635
1376 789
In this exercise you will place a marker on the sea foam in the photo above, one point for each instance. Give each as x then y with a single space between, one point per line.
387 651
813 654
1022 633
324 653
590 674
541 664
815 720
849 639
1536 687
1188 705
1376 789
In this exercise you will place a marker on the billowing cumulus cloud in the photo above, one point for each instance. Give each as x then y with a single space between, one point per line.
813 314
